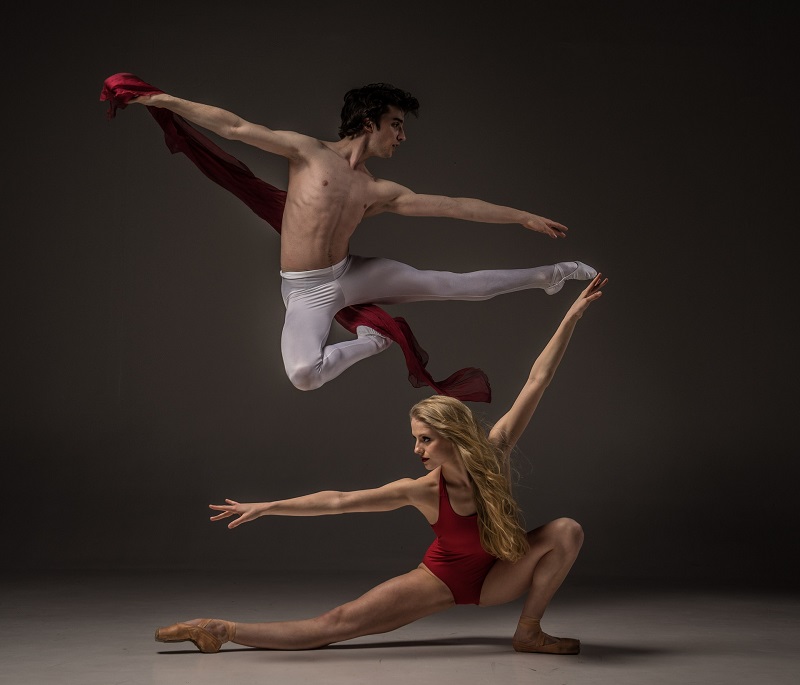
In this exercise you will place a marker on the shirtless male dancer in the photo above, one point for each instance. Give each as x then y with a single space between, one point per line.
330 191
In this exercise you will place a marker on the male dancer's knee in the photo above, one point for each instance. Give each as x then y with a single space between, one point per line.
304 376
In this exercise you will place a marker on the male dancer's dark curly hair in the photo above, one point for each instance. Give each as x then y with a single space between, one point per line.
371 102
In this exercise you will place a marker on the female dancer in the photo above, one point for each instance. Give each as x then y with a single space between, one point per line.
481 554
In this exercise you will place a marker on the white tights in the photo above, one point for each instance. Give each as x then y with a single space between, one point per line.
312 299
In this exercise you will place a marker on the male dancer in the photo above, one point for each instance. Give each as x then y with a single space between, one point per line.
330 192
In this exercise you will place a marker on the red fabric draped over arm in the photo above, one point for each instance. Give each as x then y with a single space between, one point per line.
267 201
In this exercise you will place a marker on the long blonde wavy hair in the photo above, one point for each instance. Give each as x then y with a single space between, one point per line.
501 534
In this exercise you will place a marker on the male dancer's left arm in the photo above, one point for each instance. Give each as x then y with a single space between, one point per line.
401 200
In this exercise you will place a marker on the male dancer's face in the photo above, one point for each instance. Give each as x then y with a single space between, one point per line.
390 134
431 446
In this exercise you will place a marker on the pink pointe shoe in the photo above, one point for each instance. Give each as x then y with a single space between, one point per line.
544 643
206 641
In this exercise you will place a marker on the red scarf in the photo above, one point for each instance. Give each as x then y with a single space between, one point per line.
267 201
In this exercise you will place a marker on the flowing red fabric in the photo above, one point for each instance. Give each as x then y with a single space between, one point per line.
267 201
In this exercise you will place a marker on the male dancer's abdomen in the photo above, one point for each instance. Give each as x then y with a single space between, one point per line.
315 240
315 245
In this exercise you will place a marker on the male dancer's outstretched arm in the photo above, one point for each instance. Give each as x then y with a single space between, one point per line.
229 125
408 203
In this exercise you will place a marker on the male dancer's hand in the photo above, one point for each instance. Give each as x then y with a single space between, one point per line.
547 226
144 99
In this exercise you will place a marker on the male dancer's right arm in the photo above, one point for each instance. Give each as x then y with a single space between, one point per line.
229 125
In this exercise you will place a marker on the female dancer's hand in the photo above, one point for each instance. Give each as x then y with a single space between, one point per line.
246 512
591 293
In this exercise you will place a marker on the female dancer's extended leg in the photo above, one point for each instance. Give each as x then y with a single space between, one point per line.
388 606
553 549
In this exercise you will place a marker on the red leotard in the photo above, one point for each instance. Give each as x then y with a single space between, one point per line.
456 556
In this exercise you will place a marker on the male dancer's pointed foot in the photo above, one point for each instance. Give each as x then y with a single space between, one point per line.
208 634
565 271
381 340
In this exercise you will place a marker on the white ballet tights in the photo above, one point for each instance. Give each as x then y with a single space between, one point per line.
312 299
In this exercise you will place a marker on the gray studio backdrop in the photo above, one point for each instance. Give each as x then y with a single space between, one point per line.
144 380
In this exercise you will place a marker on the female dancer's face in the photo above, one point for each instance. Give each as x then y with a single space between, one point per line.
431 446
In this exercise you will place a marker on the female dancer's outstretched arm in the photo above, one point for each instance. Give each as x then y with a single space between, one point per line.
508 430
391 496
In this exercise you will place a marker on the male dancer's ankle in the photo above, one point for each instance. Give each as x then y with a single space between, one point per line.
382 341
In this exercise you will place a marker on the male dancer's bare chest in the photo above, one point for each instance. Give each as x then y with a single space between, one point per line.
324 206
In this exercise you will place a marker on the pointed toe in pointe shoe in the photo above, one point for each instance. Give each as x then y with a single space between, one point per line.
206 641
561 645
542 643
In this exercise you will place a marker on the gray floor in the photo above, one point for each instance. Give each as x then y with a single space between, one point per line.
98 630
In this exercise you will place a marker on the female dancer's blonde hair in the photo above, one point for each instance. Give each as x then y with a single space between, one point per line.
501 534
